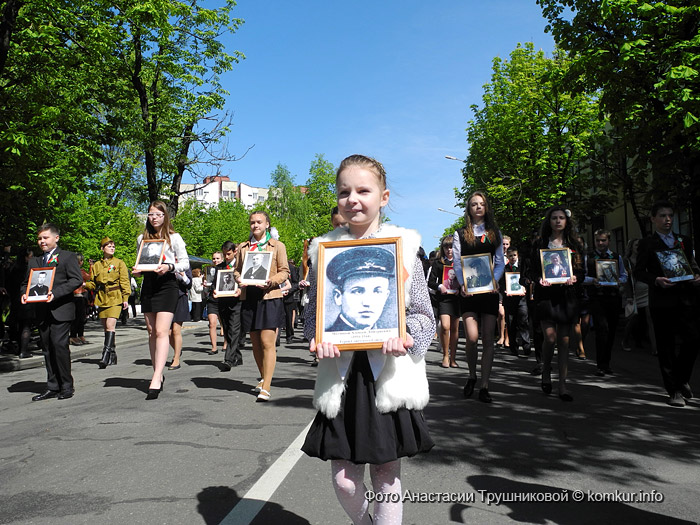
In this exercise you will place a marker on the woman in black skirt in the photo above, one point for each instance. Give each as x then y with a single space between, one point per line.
447 295
263 309
159 291
480 235
557 305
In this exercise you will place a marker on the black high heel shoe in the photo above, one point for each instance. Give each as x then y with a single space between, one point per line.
162 384
469 387
152 394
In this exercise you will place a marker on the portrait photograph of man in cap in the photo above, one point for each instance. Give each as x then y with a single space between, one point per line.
360 291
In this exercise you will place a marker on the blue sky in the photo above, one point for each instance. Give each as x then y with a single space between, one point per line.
389 79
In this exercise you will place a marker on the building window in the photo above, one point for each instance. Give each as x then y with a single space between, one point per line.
619 240
224 194
199 192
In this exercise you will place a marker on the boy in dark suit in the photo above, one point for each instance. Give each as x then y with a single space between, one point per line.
55 315
673 305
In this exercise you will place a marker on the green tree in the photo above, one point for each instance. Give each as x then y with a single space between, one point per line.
320 192
528 140
643 59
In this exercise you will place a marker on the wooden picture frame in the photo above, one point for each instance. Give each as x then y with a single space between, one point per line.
552 272
607 272
477 273
150 255
256 267
513 286
675 265
226 285
39 284
360 293
449 279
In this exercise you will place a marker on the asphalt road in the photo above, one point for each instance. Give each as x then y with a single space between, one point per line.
193 455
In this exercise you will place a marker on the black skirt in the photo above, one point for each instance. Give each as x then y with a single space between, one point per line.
483 303
212 306
182 310
448 306
159 293
560 305
259 314
360 433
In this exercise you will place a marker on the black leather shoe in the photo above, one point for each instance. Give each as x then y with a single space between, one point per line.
547 388
469 387
685 391
46 395
237 361
25 355
153 393
67 394
566 397
225 366
484 396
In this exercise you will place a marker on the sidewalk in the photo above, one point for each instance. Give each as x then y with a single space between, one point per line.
134 330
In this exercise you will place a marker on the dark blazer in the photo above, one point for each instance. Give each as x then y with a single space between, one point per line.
292 295
66 280
260 273
648 268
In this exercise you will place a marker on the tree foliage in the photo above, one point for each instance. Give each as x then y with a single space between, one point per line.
528 139
643 59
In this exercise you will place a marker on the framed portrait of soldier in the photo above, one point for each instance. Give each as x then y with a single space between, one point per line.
477 271
150 255
675 265
513 286
226 284
256 268
360 293
556 265
449 280
607 273
40 283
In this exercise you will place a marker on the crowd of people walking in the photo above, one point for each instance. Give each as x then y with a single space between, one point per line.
541 294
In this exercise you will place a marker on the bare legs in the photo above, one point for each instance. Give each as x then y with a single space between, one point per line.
471 327
555 334
212 330
502 328
449 331
176 342
158 324
265 354
109 324
348 482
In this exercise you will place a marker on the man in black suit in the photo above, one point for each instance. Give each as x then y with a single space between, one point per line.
674 306
40 288
257 271
230 312
360 278
55 315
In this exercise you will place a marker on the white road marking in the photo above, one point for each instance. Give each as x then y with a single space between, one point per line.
254 500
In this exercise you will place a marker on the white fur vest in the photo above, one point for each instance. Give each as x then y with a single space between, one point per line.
399 381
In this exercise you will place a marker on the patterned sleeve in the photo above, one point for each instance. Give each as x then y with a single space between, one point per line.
420 320
310 309
457 257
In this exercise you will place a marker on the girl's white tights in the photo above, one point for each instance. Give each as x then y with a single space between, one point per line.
348 482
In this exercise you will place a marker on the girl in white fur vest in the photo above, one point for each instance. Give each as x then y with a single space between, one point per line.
370 402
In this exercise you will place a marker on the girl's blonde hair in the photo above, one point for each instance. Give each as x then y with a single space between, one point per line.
166 230
368 163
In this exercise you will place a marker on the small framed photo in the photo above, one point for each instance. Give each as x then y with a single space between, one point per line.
150 255
556 265
513 286
477 271
607 273
256 268
226 284
360 294
449 279
40 283
675 265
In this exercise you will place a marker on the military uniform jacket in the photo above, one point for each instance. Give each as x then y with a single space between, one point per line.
110 279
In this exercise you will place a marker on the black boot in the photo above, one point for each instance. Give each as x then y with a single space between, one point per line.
108 351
